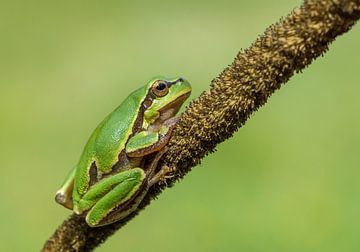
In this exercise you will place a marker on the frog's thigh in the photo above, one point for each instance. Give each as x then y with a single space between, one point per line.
106 197
100 189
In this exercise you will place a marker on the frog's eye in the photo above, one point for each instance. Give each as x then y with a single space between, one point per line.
160 89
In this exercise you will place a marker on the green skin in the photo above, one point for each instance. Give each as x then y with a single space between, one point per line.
119 162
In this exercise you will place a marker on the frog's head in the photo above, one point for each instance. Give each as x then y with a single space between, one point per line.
165 97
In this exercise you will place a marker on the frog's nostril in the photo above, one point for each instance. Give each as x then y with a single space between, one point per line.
180 79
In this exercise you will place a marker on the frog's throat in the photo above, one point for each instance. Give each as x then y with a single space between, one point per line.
167 111
175 104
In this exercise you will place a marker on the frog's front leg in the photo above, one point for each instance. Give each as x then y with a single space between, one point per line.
148 141
112 198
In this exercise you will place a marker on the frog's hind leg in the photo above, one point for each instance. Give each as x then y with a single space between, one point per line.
113 198
101 214
64 195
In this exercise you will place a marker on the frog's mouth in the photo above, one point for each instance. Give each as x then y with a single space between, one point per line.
170 109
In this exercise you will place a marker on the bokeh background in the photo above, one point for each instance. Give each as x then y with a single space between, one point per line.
287 181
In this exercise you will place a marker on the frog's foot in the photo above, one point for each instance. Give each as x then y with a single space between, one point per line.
162 175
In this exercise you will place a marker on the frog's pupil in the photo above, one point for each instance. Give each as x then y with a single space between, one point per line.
161 86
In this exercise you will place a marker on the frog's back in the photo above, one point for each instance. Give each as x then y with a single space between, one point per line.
108 139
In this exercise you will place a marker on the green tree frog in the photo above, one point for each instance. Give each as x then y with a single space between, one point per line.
119 162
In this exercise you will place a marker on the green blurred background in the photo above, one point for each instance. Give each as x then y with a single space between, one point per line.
287 181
